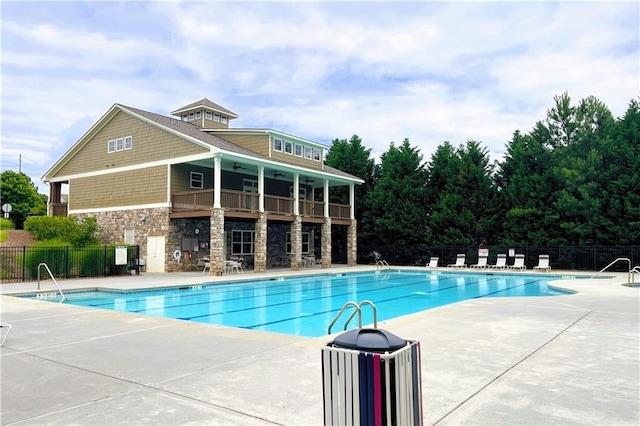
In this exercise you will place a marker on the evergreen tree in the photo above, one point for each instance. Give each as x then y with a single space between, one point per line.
397 202
353 158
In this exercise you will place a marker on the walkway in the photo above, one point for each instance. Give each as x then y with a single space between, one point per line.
548 360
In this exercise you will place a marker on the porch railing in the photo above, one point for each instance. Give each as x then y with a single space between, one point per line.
248 202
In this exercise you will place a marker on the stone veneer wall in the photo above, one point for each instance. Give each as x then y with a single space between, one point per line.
216 251
296 244
143 222
326 243
352 238
191 258
260 257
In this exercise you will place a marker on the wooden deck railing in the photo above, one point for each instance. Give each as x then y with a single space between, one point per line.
248 202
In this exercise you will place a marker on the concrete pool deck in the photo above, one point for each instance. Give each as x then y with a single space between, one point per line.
571 359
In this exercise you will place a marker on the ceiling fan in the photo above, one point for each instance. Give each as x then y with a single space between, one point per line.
308 181
277 174
237 167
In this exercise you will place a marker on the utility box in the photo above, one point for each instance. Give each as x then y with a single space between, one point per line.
371 377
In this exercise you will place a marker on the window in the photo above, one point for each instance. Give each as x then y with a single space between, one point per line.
250 185
298 150
198 114
208 115
242 242
277 144
288 147
305 242
185 117
316 154
119 144
301 191
216 117
129 236
196 181
307 152
223 119
190 116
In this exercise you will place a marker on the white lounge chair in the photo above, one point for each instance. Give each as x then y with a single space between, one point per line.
459 262
518 263
501 262
433 262
482 263
207 264
543 263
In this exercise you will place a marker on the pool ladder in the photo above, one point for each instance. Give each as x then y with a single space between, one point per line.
357 311
631 273
53 278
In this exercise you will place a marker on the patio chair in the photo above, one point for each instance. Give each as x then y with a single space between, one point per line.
518 263
501 262
433 262
459 262
207 264
543 263
482 263
309 261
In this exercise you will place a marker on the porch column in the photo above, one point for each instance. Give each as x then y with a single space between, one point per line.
217 186
296 194
261 189
216 242
55 191
296 243
325 239
352 201
260 249
325 196
352 243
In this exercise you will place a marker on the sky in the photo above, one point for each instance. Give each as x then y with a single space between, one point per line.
386 71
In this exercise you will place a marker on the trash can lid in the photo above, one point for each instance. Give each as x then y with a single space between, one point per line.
371 339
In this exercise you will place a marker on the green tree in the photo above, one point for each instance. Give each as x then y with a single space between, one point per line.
620 206
526 191
353 158
18 190
397 203
465 208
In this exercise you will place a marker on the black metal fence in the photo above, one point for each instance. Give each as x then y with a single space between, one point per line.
21 263
587 258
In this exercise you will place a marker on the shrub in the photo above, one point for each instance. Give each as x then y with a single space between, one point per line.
69 228
6 223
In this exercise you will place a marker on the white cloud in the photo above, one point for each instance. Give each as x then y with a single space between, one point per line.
427 71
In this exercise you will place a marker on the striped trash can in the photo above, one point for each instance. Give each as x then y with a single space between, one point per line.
371 377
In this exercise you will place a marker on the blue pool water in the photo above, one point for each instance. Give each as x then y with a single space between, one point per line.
306 305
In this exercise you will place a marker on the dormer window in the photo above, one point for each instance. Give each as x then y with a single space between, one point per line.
223 119
198 114
208 115
191 116
288 147
277 144
216 117
307 152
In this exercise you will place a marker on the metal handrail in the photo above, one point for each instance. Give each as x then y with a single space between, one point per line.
373 308
358 310
635 270
53 278
611 264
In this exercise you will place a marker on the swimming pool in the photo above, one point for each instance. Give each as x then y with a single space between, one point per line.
306 305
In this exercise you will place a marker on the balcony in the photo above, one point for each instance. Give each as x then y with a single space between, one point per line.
245 204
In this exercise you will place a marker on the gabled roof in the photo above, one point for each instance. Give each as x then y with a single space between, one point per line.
191 130
181 128
207 104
